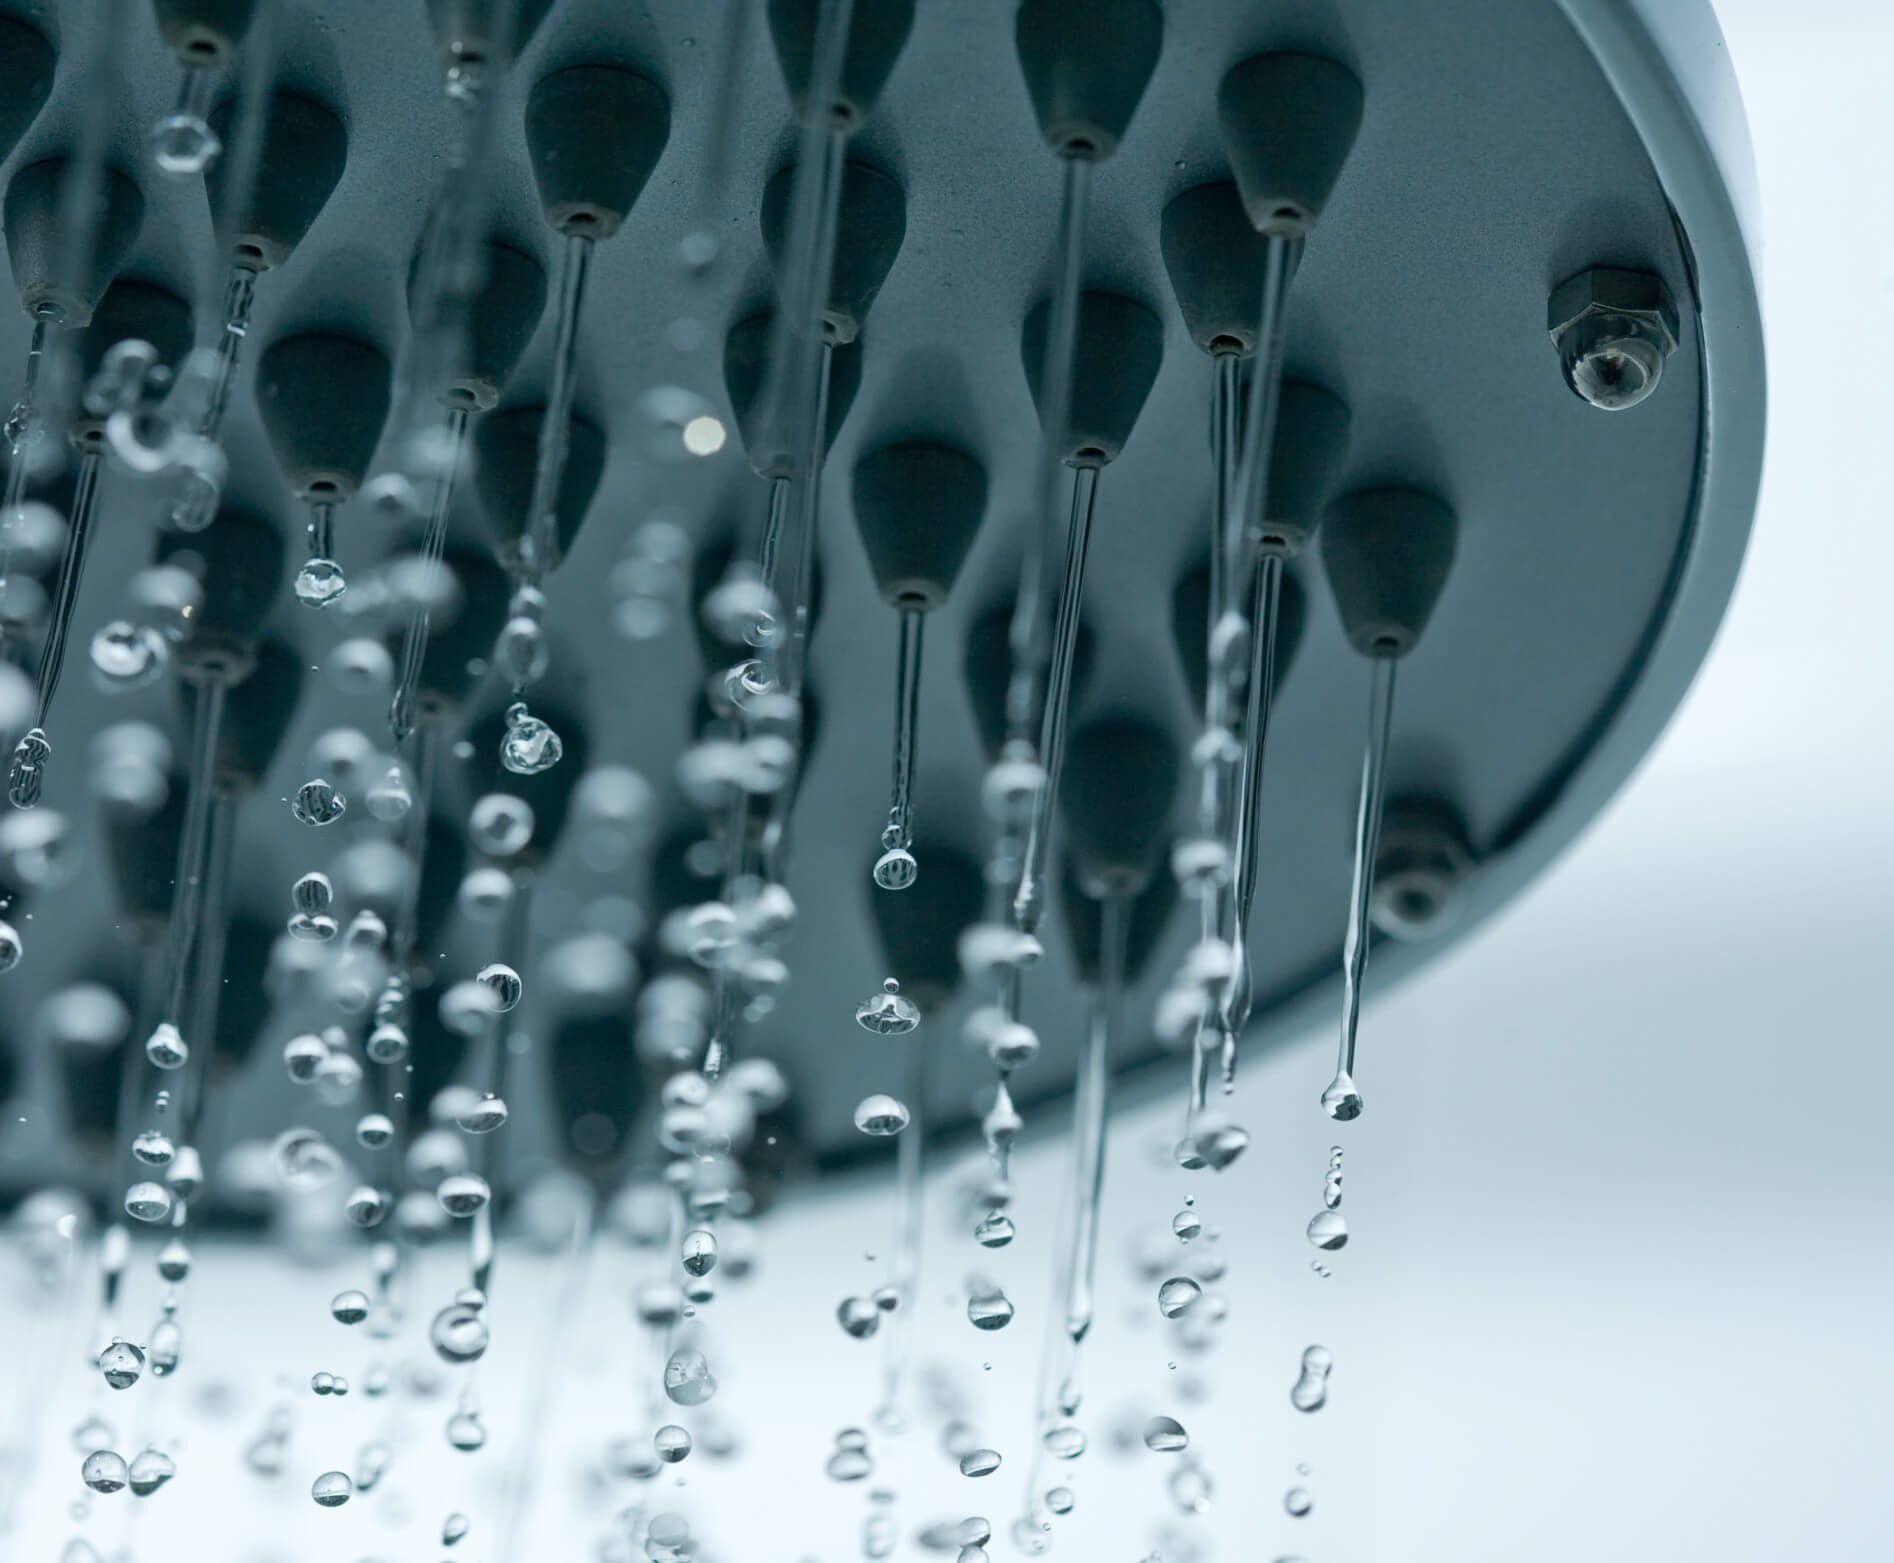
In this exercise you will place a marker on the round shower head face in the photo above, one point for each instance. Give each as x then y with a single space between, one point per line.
1504 229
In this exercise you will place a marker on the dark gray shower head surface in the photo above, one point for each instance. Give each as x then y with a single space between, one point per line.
1486 155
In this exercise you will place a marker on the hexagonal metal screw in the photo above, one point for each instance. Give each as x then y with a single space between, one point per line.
1613 329
1422 863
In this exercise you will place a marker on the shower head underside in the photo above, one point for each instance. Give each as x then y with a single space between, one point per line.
1527 211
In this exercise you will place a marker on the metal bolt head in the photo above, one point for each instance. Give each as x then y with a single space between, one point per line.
1422 862
1613 329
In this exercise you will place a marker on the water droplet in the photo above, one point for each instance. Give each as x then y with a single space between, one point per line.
1186 1224
1176 1295
148 1202
127 656
880 1115
104 1470
888 1013
530 745
486 1115
332 1489
374 1130
11 949
304 1160
1060 1500
698 1255
1165 1435
858 1316
980 1462
303 1056
1190 1488
386 1044
1328 1230
1297 1501
896 869
503 982
121 1363
500 824
1064 1443
459 1333
989 1310
348 1307
850 1464
322 1383
1311 1388
465 1431
318 803
319 582
995 1230
174 1261
1212 1144
150 1470
153 1149
687 1379
453 1528
462 1193
1341 1101
390 798
671 1443
165 1047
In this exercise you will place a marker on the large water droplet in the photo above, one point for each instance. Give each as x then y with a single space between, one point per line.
989 1310
1165 1435
1327 1229
463 1193
318 803
530 745
150 1470
671 1443
1311 1387
896 869
1060 1500
1176 1295
127 656
888 1013
348 1307
500 824
1341 1101
1297 1501
459 1333
453 1528
105 1471
332 1489
880 1115
980 1462
147 1202
687 1378
165 1047
121 1363
1064 1443
319 582
995 1230
858 1316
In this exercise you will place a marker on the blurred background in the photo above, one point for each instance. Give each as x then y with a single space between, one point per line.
1618 1276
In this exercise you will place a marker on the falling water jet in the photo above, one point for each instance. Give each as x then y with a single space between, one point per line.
137 312
594 133
242 565
1387 553
1119 349
918 505
504 310
865 221
1116 798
